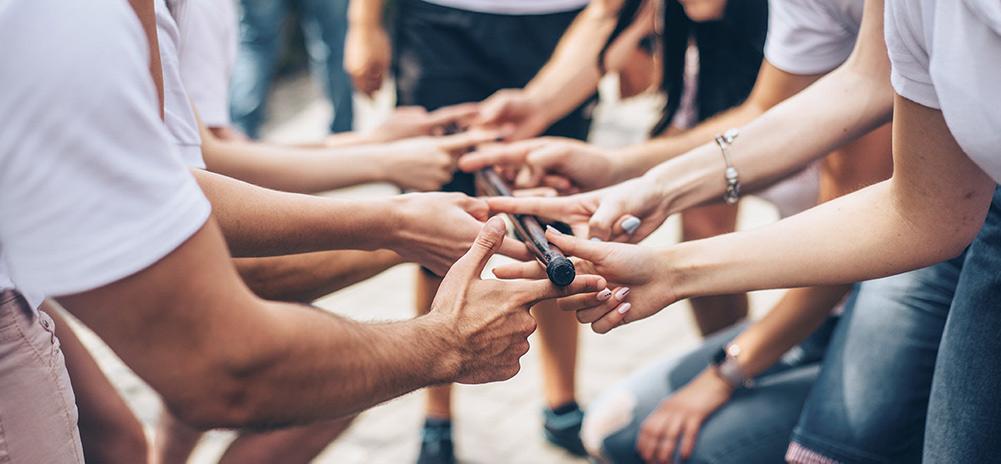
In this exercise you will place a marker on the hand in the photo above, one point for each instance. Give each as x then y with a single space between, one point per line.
680 416
366 57
415 121
427 163
629 269
516 114
565 164
627 212
487 321
435 229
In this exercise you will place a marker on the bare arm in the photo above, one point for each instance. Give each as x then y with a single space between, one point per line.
366 48
223 358
305 277
433 228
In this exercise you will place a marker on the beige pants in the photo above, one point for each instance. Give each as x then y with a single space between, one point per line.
38 416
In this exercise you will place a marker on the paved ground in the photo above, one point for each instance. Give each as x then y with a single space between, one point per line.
495 423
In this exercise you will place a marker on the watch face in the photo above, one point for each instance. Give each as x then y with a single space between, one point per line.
718 358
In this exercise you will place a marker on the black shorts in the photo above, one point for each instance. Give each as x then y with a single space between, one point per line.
445 56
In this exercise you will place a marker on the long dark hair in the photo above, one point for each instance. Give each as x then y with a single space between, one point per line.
730 54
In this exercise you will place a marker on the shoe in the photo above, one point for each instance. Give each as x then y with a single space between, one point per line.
436 443
562 427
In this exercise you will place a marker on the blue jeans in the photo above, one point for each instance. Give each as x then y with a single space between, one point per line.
964 414
753 427
324 25
869 402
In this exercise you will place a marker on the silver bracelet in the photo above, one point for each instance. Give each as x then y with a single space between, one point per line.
732 184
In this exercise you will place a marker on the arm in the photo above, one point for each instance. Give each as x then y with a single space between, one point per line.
433 229
223 358
366 48
567 80
850 101
305 277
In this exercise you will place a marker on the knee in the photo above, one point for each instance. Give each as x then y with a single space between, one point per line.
602 424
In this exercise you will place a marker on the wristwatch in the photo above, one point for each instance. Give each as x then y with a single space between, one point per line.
724 362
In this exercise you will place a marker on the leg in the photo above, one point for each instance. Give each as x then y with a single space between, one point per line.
963 412
174 440
612 425
261 24
108 429
713 313
325 24
558 348
38 417
436 438
291 445
869 402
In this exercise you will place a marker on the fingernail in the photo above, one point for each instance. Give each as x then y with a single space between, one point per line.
630 225
604 295
553 230
595 239
499 138
496 224
624 308
619 295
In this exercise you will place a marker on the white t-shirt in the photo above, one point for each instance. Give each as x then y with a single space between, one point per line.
92 189
177 113
514 7
811 36
947 55
209 40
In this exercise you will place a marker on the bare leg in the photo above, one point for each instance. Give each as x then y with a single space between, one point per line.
439 397
108 429
558 349
713 313
292 445
174 440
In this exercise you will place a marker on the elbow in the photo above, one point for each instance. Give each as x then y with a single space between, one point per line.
217 403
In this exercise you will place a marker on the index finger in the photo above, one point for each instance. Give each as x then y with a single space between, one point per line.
465 140
453 114
539 290
514 153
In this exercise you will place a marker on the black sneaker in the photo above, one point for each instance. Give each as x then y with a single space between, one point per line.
562 427
436 443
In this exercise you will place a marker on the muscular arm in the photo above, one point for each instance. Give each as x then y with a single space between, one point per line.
247 361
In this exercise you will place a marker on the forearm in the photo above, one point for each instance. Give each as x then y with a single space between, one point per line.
292 169
571 75
305 277
365 13
261 222
832 112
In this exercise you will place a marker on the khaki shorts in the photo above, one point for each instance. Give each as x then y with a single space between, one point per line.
38 416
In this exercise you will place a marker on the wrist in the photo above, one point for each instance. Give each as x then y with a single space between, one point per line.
441 349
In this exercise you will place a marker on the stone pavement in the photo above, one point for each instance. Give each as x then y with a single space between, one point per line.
494 423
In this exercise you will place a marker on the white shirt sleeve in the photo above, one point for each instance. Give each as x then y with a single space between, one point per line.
177 113
208 45
91 188
904 29
809 36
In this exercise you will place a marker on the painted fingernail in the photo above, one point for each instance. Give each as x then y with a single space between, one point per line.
619 295
499 138
624 308
554 230
630 225
604 295
595 239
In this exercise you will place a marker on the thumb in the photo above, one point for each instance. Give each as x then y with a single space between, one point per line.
487 242
605 216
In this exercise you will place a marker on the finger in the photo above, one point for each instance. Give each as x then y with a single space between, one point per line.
543 192
605 217
505 154
598 303
539 290
526 270
560 183
650 433
688 439
453 114
612 319
528 178
465 140
545 207
487 242
513 248
572 245
665 449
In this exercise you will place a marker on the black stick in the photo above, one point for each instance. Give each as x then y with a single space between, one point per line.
559 269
